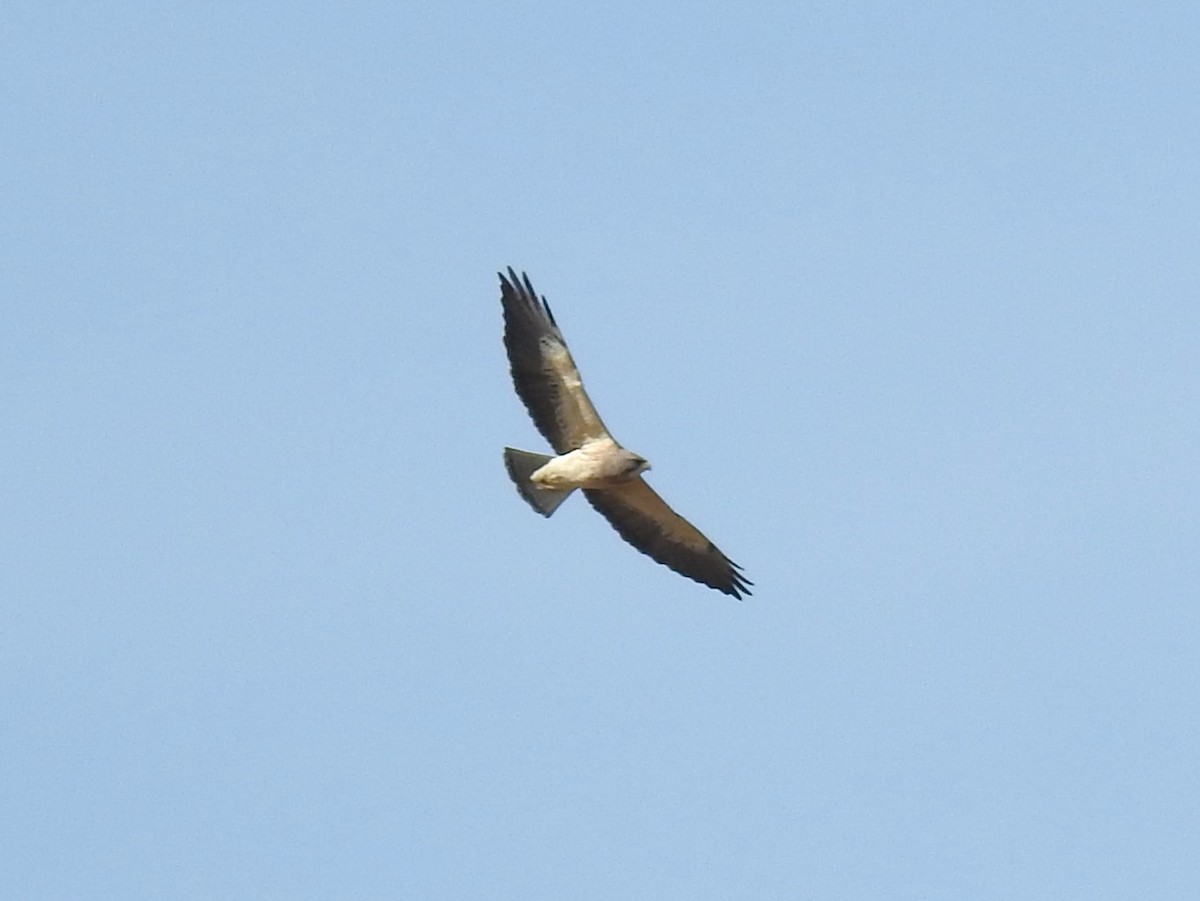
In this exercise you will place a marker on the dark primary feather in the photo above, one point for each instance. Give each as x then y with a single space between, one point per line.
527 320
705 565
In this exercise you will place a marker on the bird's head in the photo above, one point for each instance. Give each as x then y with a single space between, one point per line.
627 464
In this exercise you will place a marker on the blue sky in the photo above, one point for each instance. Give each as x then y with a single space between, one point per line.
902 304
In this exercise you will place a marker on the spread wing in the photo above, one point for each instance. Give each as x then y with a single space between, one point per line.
542 369
644 520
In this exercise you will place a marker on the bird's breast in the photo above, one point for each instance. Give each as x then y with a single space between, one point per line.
594 465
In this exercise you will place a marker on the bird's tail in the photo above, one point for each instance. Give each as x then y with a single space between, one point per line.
521 465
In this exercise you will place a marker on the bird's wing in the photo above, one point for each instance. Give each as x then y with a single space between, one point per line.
542 369
646 521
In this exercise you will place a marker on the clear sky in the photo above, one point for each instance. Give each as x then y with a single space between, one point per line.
903 304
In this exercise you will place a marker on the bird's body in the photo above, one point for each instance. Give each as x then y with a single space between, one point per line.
588 457
597 464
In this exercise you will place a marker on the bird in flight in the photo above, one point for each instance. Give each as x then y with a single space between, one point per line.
588 457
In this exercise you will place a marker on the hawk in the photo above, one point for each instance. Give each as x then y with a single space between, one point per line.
588 457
